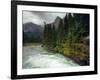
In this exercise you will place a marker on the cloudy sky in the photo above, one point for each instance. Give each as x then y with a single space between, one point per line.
40 17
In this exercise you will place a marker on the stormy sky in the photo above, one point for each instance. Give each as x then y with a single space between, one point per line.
40 17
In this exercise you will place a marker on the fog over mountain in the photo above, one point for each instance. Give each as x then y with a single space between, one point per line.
41 17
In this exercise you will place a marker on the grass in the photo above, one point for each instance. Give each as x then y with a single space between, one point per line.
31 44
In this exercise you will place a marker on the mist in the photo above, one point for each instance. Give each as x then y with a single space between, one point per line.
39 18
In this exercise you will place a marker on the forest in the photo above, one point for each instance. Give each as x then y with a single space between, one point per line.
70 37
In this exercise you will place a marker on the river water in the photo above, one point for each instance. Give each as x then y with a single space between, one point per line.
38 57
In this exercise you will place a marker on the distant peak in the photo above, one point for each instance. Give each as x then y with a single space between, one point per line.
28 23
58 18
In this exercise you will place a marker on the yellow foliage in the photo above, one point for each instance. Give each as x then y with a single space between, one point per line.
76 50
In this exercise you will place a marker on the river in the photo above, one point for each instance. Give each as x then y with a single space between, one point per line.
38 57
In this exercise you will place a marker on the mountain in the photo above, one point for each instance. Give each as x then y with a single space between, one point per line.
57 21
31 27
32 32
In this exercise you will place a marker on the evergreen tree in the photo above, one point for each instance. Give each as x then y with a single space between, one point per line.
54 36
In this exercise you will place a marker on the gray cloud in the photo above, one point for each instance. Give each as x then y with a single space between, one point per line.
40 17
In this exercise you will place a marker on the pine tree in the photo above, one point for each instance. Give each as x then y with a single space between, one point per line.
59 33
54 36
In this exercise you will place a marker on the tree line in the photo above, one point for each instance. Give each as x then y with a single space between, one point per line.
68 37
